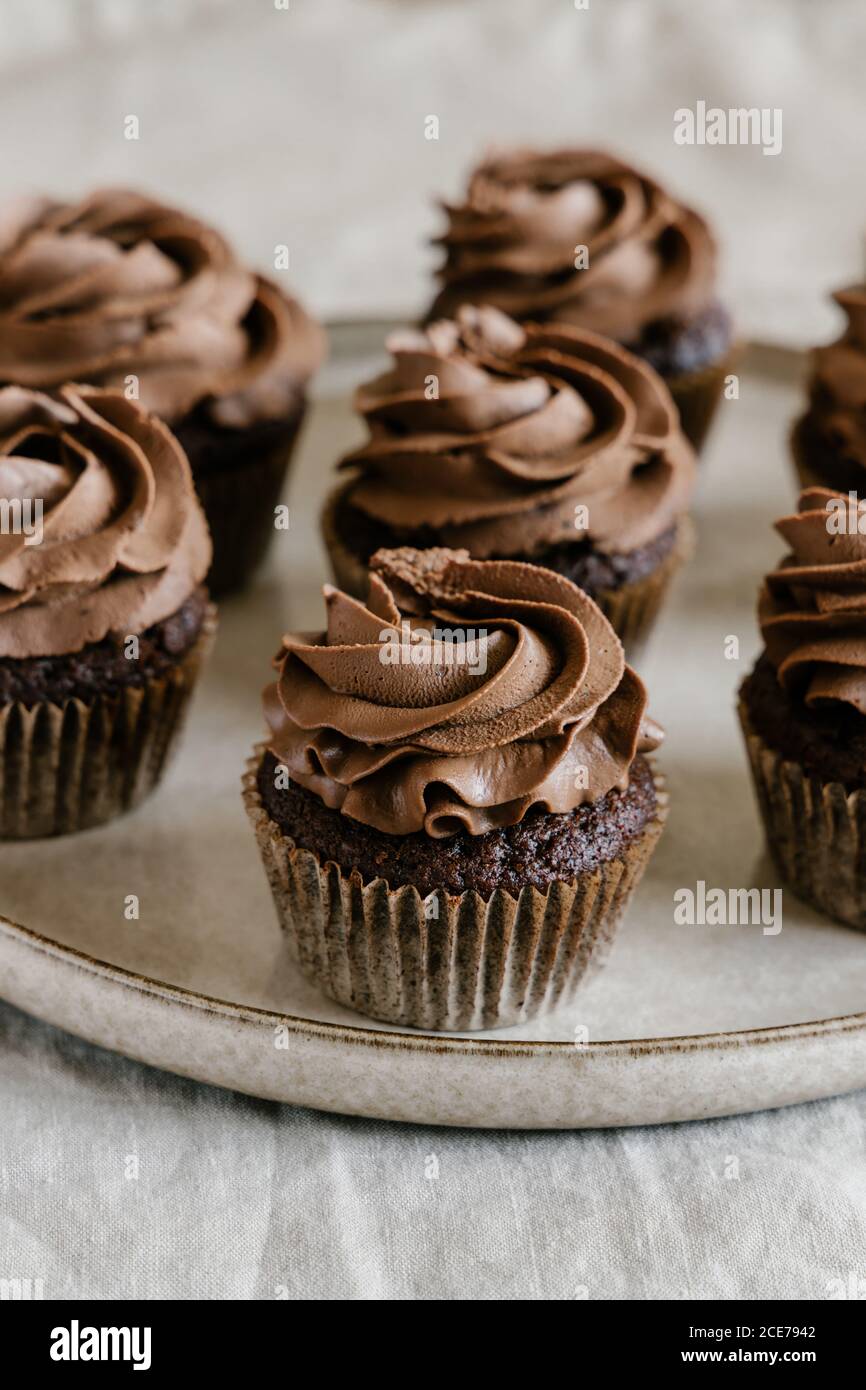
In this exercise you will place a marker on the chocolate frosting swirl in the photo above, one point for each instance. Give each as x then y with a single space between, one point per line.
498 437
513 243
812 608
837 389
120 285
544 712
124 541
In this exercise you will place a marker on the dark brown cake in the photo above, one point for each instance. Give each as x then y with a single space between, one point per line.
541 849
102 667
829 744
822 457
676 347
580 561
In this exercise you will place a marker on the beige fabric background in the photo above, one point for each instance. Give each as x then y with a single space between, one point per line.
306 127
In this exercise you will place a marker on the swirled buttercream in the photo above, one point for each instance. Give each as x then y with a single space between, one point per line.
119 286
812 609
462 694
100 528
507 440
575 236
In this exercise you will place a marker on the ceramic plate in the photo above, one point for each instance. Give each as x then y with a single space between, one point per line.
684 1021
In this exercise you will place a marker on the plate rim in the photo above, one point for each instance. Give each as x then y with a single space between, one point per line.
399 1041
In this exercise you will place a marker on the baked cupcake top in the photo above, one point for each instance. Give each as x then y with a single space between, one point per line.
120 285
461 695
812 609
837 388
514 243
506 440
100 528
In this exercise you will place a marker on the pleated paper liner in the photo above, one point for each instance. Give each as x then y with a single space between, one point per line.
697 395
73 766
816 831
631 609
445 962
239 503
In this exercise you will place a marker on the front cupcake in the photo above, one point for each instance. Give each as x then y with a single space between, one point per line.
104 618
541 443
119 290
454 802
577 236
803 707
829 441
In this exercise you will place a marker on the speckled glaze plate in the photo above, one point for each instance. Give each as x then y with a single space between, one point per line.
684 1022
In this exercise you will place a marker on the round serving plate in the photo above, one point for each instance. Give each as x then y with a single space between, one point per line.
155 936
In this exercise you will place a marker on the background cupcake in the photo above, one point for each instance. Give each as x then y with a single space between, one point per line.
648 277
469 804
104 620
122 291
829 442
803 707
543 443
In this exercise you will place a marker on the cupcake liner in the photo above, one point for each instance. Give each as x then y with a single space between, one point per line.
69 767
445 962
816 831
239 504
631 609
697 394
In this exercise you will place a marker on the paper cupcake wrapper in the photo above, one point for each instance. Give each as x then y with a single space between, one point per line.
239 505
816 831
73 766
697 395
445 962
631 610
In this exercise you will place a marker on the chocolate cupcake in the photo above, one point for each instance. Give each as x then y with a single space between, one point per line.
119 290
104 620
829 441
803 707
455 801
578 237
541 443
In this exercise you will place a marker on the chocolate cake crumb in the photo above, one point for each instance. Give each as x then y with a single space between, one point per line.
829 744
540 849
101 667
676 347
580 561
824 452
